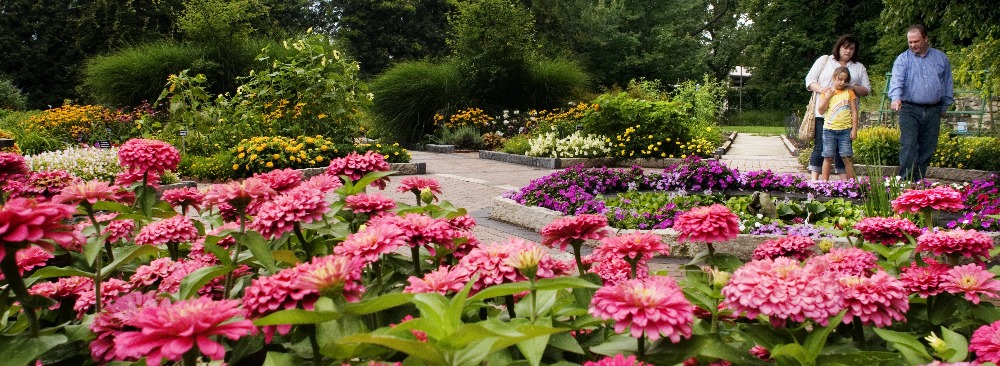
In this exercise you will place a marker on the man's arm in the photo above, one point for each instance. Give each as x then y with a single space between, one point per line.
898 81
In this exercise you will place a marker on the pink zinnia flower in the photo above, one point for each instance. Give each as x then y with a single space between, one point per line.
175 230
281 179
924 280
886 230
971 280
169 330
417 184
148 156
117 230
442 280
464 222
296 206
633 246
985 343
46 184
969 243
355 166
333 275
707 224
760 352
847 261
490 263
370 243
941 198
653 306
65 289
369 203
24 221
239 194
877 300
783 290
90 192
111 321
617 360
323 182
127 178
571 229
614 269
111 289
267 295
11 165
792 246
422 230
148 274
30 258
184 197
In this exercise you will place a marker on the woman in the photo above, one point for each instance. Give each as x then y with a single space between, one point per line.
820 79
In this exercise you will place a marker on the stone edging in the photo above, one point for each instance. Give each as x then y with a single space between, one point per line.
562 163
399 168
951 174
440 149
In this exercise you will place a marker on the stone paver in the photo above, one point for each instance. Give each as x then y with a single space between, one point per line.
752 152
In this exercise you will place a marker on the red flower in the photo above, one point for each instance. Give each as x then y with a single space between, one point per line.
653 306
184 197
299 205
923 280
575 229
24 221
169 330
369 203
355 166
148 156
985 343
175 230
886 230
877 300
709 224
792 246
281 179
941 198
969 243
783 290
971 280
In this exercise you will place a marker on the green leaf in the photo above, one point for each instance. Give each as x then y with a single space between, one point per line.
111 206
558 283
943 307
52 272
794 351
533 348
817 338
259 247
282 359
128 255
908 345
423 351
956 342
220 253
432 307
565 342
194 281
297 316
246 346
22 349
93 247
615 345
377 304
472 355
862 358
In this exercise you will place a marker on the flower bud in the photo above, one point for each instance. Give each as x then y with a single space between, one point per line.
426 195
937 344
719 278
527 261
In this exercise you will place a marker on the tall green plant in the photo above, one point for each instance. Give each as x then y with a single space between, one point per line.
409 94
493 43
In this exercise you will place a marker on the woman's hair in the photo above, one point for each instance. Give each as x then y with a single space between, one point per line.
842 70
843 41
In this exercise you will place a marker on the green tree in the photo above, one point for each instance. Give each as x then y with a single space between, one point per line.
493 42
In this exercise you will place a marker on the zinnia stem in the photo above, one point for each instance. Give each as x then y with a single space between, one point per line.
236 253
576 254
10 270
314 343
415 253
302 239
711 254
97 265
509 301
642 347
534 299
632 264
190 358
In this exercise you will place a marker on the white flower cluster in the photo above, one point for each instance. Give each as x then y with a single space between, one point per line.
573 146
87 163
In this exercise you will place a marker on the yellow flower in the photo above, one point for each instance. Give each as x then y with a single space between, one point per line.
275 157
253 156
319 159
236 167
241 155
269 165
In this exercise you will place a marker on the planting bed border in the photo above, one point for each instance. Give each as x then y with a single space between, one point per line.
399 168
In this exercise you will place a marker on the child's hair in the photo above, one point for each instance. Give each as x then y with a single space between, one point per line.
842 70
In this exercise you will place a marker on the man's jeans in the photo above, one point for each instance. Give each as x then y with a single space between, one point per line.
918 137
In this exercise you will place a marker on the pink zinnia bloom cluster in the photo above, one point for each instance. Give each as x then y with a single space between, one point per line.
111 289
90 192
30 258
568 230
355 166
281 179
941 198
633 246
654 306
169 330
184 197
617 360
422 230
971 280
296 206
886 230
877 300
969 243
12 165
66 289
370 243
442 280
240 194
792 246
489 261
148 156
323 182
372 204
177 229
612 270
416 184
707 224
985 343
46 184
923 280
280 291
333 274
783 290
847 261
117 230
148 274
24 221
111 321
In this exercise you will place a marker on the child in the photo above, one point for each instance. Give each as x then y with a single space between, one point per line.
840 111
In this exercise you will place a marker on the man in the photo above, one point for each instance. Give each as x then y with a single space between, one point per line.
921 90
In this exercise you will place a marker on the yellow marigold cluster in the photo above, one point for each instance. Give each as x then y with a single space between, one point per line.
265 153
392 153
73 121
560 116
465 117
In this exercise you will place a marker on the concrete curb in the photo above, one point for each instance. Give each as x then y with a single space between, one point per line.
562 163
440 149
399 168
794 151
949 174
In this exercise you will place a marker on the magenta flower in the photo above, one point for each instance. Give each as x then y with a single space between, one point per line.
985 343
90 192
490 262
281 180
184 198
783 290
924 280
971 280
372 204
128 177
111 289
24 221
12 165
169 330
148 156
877 300
634 246
239 194
267 295
708 224
30 258
46 184
65 289
941 198
760 352
333 275
296 206
148 274
370 243
617 360
415 185
355 166
886 230
847 262
571 229
175 230
614 269
792 246
111 321
442 280
422 230
969 243
653 307
323 182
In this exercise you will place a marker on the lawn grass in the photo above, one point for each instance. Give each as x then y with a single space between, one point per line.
756 130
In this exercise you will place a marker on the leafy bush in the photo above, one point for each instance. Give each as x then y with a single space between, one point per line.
137 74
4 134
210 168
464 137
72 122
551 83
408 95
265 153
472 117
11 96
967 152
493 40
646 141
565 120
617 112
575 145
878 145
652 210
493 141
518 144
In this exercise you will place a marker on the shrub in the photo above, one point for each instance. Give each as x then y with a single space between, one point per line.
967 152
4 134
647 141
616 112
11 96
73 122
464 137
87 163
217 166
518 144
265 153
877 145
473 117
393 153
575 145
551 83
136 74
408 95
493 141
565 120
493 40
